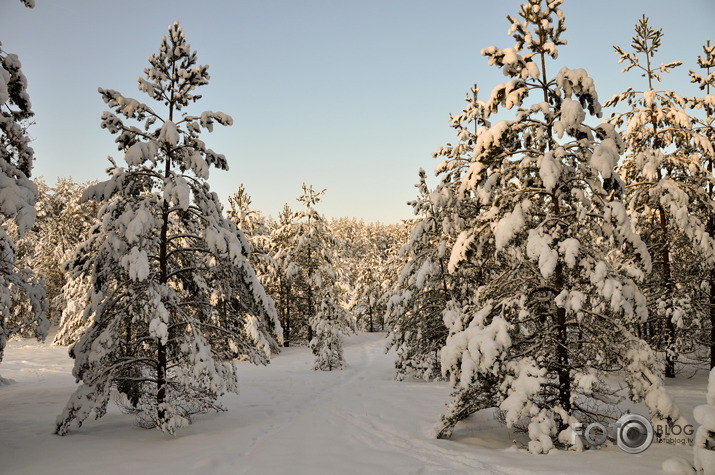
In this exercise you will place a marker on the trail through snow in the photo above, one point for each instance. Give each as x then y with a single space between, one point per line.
288 419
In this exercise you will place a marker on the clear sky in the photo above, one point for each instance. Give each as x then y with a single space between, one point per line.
352 96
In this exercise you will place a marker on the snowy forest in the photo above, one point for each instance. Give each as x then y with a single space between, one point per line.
558 271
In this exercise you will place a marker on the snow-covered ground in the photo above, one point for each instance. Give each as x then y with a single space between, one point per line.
288 419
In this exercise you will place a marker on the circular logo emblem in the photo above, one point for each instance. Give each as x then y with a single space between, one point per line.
634 433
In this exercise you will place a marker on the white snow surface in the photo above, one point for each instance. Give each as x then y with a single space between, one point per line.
289 419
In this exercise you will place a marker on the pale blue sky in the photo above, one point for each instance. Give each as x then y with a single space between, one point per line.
349 96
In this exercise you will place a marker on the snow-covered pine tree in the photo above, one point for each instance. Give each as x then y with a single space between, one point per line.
328 327
704 127
369 255
551 323
253 225
17 208
315 276
311 261
63 224
424 287
666 196
74 296
280 282
63 221
429 290
173 299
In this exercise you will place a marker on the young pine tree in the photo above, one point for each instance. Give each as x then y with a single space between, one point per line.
544 332
17 207
281 280
328 328
173 300
253 225
424 287
315 282
667 198
311 261
430 290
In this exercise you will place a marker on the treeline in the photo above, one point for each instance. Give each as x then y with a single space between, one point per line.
300 258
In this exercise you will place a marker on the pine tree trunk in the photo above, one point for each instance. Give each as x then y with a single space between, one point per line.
562 355
286 315
711 231
311 313
670 349
711 343
161 360
712 318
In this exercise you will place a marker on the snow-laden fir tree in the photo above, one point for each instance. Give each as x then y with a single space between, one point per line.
17 205
551 323
173 300
704 126
666 196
